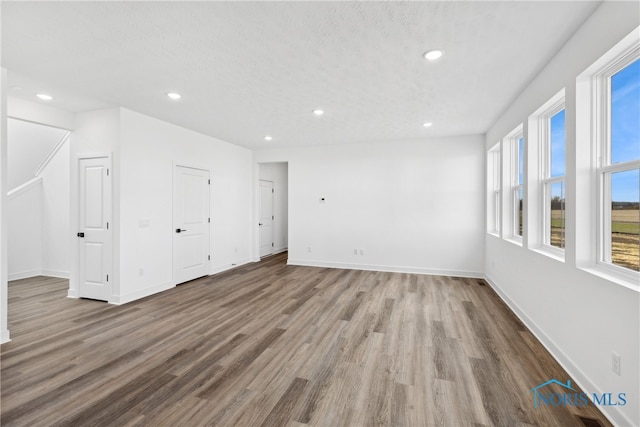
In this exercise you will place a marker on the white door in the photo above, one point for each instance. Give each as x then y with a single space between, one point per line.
94 234
266 218
190 223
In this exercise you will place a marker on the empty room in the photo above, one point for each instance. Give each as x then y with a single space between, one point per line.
292 213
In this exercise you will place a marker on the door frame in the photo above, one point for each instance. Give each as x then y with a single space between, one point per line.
255 235
74 196
174 165
260 181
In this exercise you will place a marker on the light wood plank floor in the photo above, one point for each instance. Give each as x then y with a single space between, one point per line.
275 345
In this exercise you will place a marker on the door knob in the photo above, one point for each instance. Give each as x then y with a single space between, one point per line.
259 223
179 230
80 234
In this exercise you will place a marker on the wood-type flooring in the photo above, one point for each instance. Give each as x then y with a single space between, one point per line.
268 344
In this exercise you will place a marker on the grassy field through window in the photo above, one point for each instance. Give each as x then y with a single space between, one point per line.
625 238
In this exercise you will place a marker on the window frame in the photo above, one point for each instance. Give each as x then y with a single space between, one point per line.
601 81
511 163
494 189
557 104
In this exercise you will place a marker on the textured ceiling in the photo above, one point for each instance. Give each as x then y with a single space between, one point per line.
250 69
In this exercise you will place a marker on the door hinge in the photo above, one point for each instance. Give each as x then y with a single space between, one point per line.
272 244
209 257
208 219
107 172
107 277
273 217
209 181
273 190
107 225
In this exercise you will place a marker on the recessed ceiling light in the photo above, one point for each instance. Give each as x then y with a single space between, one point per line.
44 96
427 124
174 95
432 55
268 138
318 112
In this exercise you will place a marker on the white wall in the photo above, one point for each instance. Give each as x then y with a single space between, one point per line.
28 145
24 221
150 149
56 231
278 174
409 206
38 210
36 112
4 238
581 318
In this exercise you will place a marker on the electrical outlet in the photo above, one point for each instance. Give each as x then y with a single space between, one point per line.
355 252
615 363
361 251
309 249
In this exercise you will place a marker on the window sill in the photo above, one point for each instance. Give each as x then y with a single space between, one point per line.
515 240
558 255
629 281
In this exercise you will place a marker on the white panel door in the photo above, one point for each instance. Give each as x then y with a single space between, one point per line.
266 218
94 235
191 224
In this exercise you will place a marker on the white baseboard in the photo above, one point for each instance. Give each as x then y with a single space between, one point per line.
35 273
4 336
613 414
221 268
55 273
23 275
123 299
387 268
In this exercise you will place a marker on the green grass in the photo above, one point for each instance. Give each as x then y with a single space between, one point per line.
625 227
616 227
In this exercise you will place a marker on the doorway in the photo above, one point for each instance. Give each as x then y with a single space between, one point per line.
272 208
37 200
266 218
191 223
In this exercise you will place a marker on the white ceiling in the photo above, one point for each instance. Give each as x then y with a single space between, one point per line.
250 69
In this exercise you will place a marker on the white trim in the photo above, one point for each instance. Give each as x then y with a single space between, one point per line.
24 275
4 336
34 273
123 299
510 185
52 153
24 187
612 413
55 273
387 268
222 268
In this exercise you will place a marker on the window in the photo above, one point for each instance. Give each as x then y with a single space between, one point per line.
554 182
546 177
514 158
619 164
493 190
607 162
518 186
